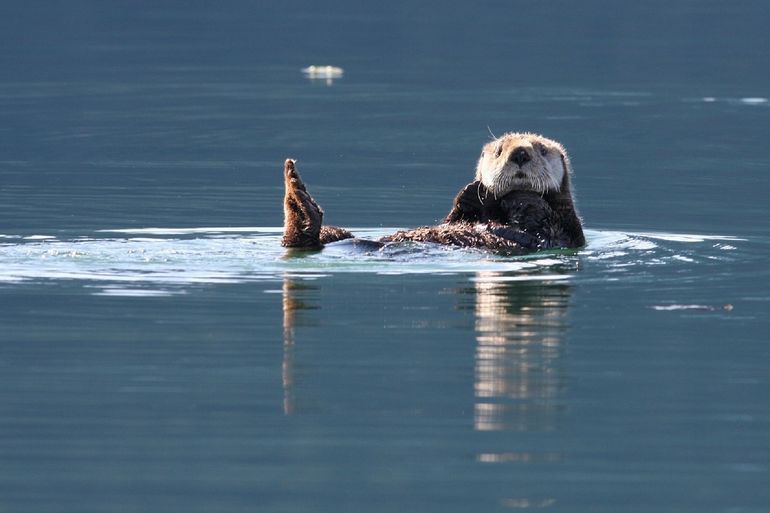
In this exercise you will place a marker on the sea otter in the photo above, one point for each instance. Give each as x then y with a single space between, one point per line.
520 202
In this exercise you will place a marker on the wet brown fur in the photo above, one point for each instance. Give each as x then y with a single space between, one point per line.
519 222
463 234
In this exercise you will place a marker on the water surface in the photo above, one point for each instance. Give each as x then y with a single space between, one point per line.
161 352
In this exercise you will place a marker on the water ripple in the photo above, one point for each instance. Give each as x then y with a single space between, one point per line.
162 261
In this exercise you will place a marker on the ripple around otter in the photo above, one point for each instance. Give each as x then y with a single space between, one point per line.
163 261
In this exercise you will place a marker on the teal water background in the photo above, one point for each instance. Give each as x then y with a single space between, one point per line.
159 351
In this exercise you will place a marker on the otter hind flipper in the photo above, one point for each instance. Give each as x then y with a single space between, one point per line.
303 217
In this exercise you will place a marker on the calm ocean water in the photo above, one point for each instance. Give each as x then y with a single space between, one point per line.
159 350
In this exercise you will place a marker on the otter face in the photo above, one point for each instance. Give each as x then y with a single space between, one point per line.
522 162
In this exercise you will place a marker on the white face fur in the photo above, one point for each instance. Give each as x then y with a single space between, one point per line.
522 161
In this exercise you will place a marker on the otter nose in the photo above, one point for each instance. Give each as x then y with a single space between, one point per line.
520 156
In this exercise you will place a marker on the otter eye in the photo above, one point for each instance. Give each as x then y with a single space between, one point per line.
498 151
543 150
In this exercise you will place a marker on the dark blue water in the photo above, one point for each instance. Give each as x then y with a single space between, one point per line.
159 351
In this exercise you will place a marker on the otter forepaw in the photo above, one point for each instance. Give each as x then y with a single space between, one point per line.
467 205
522 238
474 204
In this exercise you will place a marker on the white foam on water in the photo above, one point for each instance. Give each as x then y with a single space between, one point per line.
126 292
748 100
193 231
162 257
39 237
523 277
672 308
685 237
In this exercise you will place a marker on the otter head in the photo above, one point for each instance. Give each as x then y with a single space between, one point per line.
523 162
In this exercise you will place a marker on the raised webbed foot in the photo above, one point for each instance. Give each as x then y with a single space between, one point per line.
302 217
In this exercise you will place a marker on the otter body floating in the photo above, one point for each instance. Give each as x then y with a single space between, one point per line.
520 202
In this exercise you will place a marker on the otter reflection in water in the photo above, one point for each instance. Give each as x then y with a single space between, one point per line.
519 378
517 359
